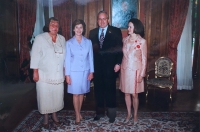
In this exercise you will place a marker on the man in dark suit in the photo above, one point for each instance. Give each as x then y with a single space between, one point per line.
107 46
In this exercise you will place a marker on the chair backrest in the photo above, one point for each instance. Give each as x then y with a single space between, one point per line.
163 67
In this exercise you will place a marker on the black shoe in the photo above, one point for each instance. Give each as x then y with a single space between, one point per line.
111 120
97 117
111 114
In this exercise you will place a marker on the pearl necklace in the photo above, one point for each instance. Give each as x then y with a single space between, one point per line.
134 38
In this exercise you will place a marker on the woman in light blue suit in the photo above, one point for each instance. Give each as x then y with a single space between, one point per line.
78 66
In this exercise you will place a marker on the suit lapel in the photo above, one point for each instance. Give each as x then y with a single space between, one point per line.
48 38
108 32
83 43
97 34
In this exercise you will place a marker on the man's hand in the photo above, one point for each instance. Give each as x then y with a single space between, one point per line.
117 68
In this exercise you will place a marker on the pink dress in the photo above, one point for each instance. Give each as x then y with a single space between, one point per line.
134 63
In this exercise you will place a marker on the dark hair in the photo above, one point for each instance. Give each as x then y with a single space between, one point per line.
104 13
52 19
138 26
77 22
46 27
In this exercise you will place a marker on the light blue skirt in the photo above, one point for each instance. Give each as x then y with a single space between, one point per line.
79 83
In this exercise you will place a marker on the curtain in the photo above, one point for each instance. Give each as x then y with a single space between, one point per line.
184 59
27 18
178 12
51 14
62 12
40 22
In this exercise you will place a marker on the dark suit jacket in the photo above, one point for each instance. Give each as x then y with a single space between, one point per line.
111 52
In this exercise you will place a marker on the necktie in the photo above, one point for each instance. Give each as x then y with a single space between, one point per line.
101 39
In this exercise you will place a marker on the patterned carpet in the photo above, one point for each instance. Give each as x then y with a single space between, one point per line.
147 122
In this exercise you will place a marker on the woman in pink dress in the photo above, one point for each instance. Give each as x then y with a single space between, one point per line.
133 66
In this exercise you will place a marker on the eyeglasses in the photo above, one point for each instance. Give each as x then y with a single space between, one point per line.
58 48
102 19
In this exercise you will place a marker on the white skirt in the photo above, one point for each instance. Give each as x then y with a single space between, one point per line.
49 97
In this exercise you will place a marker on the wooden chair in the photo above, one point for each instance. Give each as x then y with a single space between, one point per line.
163 76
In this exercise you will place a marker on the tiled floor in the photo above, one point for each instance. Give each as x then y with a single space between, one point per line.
18 99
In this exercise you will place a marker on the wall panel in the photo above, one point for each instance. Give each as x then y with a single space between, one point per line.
156 29
9 40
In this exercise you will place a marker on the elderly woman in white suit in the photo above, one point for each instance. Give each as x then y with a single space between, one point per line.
47 62
79 66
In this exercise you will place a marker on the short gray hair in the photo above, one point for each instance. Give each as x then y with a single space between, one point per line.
104 13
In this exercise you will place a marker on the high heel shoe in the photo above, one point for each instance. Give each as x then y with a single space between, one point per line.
135 122
58 123
77 123
127 120
46 126
82 119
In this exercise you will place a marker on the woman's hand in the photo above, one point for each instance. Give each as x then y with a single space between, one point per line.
35 75
117 68
90 77
68 79
139 79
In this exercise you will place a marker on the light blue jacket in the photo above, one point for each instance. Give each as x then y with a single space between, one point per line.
79 57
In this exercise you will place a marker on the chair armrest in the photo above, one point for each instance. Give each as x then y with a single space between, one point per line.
150 73
172 76
150 70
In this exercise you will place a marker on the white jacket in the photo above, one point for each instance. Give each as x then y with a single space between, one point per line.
48 58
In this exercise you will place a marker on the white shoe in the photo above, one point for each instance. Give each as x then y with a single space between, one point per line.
135 122
127 120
